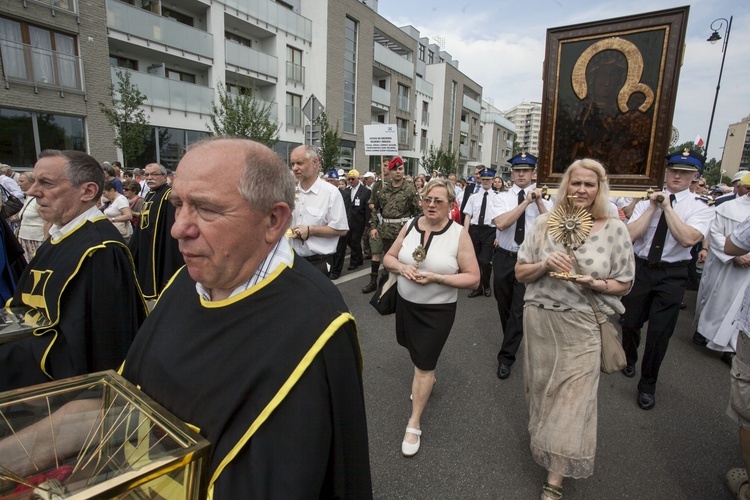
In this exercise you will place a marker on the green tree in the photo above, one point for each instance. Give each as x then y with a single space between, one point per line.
440 159
516 147
243 115
126 116
330 143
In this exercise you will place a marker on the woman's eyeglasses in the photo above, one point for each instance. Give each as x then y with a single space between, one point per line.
436 201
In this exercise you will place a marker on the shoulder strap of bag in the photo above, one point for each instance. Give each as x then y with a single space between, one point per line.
600 316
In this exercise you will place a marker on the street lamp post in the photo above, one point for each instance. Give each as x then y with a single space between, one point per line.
715 37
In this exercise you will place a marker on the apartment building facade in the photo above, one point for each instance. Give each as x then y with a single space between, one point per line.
54 74
736 153
358 65
527 118
498 134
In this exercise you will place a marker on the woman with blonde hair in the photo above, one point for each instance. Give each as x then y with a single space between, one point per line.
562 337
433 258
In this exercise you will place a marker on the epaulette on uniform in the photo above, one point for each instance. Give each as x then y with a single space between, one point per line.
706 199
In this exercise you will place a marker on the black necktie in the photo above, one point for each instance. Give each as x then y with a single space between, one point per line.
660 236
483 209
521 222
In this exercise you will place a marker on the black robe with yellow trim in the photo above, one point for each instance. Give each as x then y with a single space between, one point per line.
156 254
217 365
83 288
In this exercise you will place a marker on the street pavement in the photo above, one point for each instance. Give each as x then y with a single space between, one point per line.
475 443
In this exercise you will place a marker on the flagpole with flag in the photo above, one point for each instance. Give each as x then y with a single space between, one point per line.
699 142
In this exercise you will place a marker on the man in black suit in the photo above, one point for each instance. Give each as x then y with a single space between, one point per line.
359 214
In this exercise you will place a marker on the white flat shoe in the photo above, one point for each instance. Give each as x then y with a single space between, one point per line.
409 449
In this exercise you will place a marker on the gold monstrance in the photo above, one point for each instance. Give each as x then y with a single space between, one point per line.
569 226
419 254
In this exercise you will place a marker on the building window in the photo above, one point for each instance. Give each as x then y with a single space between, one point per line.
167 146
402 127
425 113
177 16
20 146
174 74
68 5
293 111
421 52
350 74
403 98
123 62
295 72
238 39
430 57
39 56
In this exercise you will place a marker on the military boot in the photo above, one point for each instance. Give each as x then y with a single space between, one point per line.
372 285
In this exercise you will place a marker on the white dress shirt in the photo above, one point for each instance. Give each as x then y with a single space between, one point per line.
690 210
321 205
506 201
11 186
57 232
474 207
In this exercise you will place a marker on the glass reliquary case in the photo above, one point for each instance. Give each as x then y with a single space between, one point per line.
96 436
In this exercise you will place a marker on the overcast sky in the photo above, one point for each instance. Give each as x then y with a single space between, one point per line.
500 44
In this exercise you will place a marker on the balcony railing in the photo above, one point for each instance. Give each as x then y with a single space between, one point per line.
403 137
274 14
254 60
64 5
41 67
463 151
273 114
403 103
381 96
171 94
293 117
141 23
425 117
465 128
424 87
472 105
391 60
295 73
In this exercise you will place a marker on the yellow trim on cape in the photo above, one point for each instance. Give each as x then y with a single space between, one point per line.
212 304
153 245
77 227
41 331
281 394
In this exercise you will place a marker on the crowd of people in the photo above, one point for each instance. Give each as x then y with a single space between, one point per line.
194 269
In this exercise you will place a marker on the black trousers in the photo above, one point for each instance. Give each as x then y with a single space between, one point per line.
509 294
483 239
324 263
656 296
354 242
339 256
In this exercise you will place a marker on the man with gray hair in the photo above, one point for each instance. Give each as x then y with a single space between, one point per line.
155 252
250 333
319 219
248 343
80 287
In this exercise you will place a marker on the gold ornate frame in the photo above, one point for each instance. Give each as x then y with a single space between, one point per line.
609 94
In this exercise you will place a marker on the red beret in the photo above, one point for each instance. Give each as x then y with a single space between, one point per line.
396 162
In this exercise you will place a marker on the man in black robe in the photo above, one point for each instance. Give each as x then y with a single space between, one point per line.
155 252
80 288
248 325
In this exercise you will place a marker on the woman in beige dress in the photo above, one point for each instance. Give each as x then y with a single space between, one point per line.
561 336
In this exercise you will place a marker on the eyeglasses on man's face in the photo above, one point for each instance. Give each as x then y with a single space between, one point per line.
436 201
157 174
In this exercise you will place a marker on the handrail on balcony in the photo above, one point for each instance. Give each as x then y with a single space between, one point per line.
295 73
403 103
293 117
170 94
41 67
425 117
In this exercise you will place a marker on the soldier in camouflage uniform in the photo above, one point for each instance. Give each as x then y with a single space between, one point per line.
376 243
394 205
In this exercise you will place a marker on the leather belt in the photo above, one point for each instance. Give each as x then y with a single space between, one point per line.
397 221
316 258
512 255
662 264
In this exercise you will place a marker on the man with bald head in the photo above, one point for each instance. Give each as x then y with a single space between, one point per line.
249 342
154 250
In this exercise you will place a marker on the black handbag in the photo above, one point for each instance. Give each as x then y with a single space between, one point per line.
384 299
11 204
